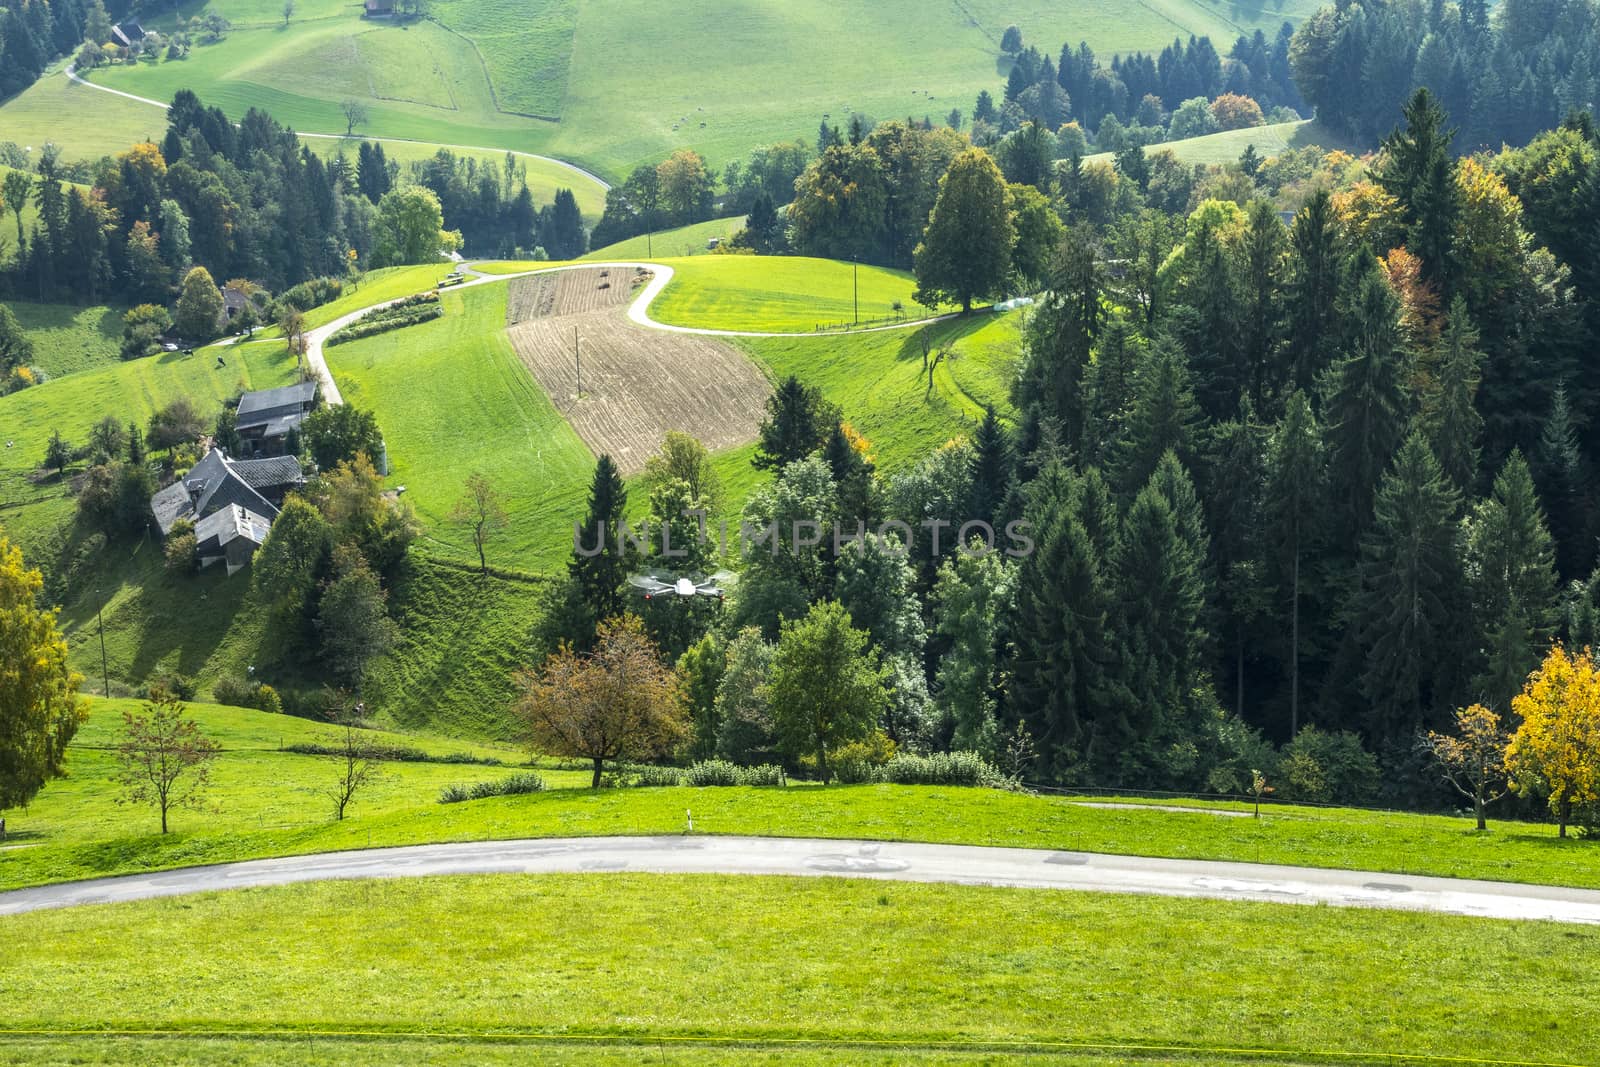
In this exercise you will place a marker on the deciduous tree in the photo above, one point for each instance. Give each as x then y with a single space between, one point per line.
965 253
619 702
481 513
1555 752
39 704
164 759
826 687
1473 758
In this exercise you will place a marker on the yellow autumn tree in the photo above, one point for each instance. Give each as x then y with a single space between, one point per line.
1473 758
39 704
1555 752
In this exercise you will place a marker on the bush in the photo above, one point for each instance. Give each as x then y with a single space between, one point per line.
713 772
175 684
179 550
767 774
649 777
1327 768
942 768
384 321
235 691
310 294
516 785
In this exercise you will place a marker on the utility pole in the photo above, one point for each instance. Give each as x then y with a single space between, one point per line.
855 281
649 244
577 358
105 671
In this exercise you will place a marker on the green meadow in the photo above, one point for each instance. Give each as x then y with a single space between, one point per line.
782 294
681 242
610 84
1228 146
761 960
68 339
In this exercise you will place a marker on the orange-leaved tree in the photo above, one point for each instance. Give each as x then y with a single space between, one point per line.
619 702
1473 758
1555 752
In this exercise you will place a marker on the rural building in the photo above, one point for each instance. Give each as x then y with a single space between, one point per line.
127 32
378 9
230 536
217 483
266 418
233 301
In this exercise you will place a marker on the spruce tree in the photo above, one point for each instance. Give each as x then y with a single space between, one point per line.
1060 336
797 423
1116 363
1560 469
1364 403
1294 503
1260 315
602 557
1058 660
1511 560
992 465
1316 283
1449 414
852 479
1419 171
1164 418
1410 603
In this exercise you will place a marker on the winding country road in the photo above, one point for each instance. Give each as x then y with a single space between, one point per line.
897 861
638 313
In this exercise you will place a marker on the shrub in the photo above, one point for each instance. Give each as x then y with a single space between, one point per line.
767 774
942 768
179 550
658 776
1327 767
713 772
233 690
310 294
516 785
384 321
175 684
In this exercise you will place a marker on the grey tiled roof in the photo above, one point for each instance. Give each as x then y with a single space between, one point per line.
269 473
216 531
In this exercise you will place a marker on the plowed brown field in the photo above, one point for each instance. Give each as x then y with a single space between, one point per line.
639 383
570 292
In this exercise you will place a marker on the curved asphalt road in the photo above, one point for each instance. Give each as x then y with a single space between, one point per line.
897 861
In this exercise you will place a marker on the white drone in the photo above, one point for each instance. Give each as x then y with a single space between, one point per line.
651 586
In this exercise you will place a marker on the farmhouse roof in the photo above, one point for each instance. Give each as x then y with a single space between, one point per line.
217 483
216 531
234 299
268 400
128 31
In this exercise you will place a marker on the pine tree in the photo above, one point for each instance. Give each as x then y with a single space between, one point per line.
1410 601
1116 363
992 465
1511 561
1316 282
602 556
1449 414
798 422
1060 337
1261 268
1364 403
1164 418
1418 171
1059 658
852 478
1294 501
1560 469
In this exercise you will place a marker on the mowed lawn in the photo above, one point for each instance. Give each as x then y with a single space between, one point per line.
781 294
824 960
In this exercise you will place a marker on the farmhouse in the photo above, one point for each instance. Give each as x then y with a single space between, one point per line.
230 536
377 9
127 32
234 300
217 483
266 418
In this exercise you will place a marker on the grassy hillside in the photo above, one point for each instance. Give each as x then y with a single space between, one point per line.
69 339
452 399
1228 146
780 294
730 959
610 83
684 241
